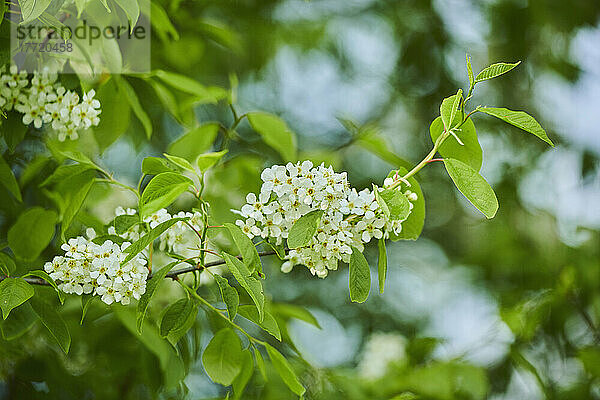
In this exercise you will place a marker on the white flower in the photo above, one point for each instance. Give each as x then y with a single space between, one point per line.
350 218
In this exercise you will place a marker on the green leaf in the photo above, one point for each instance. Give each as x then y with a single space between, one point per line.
151 287
161 23
303 230
520 119
252 285
448 109
207 160
240 382
260 363
115 116
65 172
293 311
170 363
7 264
175 316
381 264
268 323
412 227
143 242
86 301
360 277
74 193
472 186
222 357
186 85
163 190
495 70
397 204
155 166
275 133
376 144
180 162
20 320
469 152
230 296
470 72
13 129
166 98
285 371
13 293
132 10
176 334
8 180
31 9
195 142
246 247
135 104
122 223
32 232
43 275
53 322
590 357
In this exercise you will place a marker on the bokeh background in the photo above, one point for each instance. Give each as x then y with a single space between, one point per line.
501 309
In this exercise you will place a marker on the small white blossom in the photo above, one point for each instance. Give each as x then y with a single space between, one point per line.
350 218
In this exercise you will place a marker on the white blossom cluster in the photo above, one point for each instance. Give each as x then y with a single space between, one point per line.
380 351
43 100
350 218
180 238
97 269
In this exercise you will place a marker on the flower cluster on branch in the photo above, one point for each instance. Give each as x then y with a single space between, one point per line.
350 218
42 100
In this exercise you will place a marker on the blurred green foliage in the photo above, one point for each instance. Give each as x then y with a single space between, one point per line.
546 290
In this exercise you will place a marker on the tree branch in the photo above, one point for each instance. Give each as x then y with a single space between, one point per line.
172 274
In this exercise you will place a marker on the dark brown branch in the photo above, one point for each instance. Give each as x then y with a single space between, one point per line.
172 274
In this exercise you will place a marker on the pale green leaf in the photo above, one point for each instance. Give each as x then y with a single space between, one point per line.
472 186
32 232
260 363
470 72
132 10
359 277
469 152
180 162
381 264
495 70
520 119
155 166
222 357
186 85
246 247
240 382
8 180
53 322
20 320
275 133
230 296
163 190
207 160
268 323
294 311
144 241
449 108
31 9
175 316
285 371
43 275
412 227
195 142
151 287
136 106
303 230
252 285
13 293
397 204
